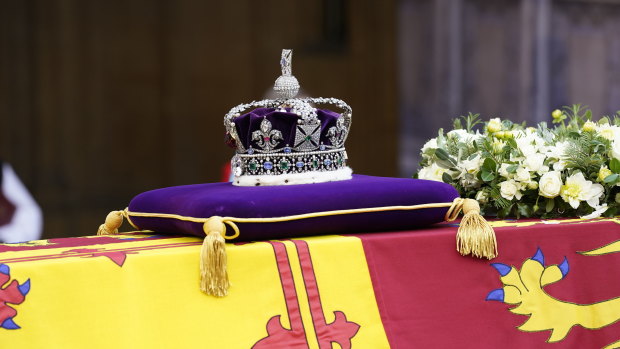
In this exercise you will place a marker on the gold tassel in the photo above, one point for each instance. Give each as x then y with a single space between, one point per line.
475 236
213 275
113 221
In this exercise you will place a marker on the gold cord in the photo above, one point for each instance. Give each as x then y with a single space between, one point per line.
455 208
474 235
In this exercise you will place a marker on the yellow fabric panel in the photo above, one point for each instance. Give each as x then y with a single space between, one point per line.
78 300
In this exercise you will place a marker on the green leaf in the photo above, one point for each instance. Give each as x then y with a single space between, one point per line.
445 164
443 155
550 205
611 212
525 210
612 178
502 213
487 176
446 178
512 168
489 165
614 165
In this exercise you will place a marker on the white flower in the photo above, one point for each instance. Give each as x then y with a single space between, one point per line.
510 190
459 134
608 131
560 165
431 144
494 125
525 147
503 170
482 197
463 136
598 211
615 149
433 172
534 162
522 175
556 154
471 166
529 142
578 189
550 184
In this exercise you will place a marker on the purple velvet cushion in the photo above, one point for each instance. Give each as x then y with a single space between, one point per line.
224 199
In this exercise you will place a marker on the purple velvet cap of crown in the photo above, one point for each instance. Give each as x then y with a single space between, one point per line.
286 123
224 199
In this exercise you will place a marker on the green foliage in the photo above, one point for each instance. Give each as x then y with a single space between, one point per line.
503 164
586 152
471 120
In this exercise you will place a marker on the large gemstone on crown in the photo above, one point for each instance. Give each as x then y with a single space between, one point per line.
295 135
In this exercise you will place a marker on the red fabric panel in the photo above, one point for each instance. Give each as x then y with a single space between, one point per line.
429 296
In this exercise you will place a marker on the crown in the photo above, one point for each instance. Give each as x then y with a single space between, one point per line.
287 140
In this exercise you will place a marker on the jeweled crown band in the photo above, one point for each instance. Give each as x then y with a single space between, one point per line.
285 163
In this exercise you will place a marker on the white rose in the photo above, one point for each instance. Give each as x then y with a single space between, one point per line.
550 184
509 190
432 172
522 175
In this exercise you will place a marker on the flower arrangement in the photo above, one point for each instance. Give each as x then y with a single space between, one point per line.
570 169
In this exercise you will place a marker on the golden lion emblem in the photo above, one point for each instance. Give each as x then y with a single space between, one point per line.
525 289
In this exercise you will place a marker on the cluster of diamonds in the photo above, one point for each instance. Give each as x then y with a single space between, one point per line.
288 162
286 86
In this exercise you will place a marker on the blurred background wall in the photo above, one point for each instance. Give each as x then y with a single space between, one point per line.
516 59
101 100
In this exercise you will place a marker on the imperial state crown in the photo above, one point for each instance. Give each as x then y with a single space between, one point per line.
288 140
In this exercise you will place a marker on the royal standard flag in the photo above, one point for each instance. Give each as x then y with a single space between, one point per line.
554 284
